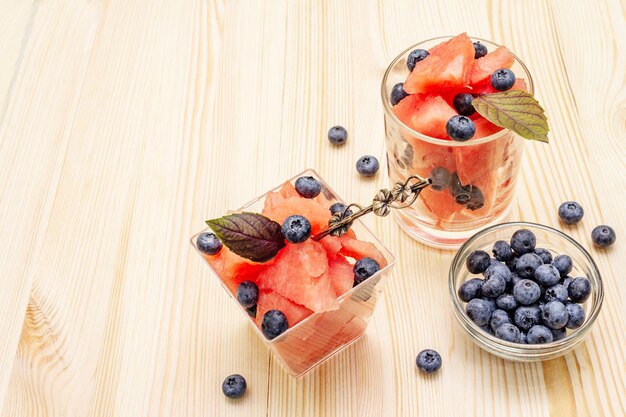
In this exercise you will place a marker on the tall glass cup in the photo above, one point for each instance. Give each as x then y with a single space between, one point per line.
490 164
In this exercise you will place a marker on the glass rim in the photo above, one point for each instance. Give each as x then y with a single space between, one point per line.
521 351
388 108
391 260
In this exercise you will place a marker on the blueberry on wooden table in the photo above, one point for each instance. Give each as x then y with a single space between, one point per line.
234 386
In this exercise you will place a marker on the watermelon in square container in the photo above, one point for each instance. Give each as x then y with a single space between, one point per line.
312 282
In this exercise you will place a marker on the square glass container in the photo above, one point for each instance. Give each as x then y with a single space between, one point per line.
322 334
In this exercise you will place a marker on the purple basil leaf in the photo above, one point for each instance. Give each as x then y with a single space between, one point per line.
249 235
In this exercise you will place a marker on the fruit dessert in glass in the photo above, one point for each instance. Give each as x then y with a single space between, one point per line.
435 129
308 297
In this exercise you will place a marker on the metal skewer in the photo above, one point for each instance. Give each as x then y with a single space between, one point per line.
405 193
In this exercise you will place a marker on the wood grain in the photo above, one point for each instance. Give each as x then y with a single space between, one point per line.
125 124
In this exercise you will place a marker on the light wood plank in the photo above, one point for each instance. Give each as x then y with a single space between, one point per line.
158 116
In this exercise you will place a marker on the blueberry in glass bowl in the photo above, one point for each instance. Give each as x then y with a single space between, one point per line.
543 329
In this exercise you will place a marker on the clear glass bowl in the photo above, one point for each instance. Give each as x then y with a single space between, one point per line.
491 163
321 335
557 243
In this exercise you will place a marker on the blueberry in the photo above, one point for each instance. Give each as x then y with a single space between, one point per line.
499 270
460 128
554 315
502 79
540 304
480 50
338 135
564 264
558 334
523 338
556 292
367 165
477 262
566 281
506 302
477 199
247 294
440 178
527 264
209 243
414 57
539 334
509 332
547 275
491 303
428 361
460 193
234 386
339 208
470 289
274 324
526 292
296 229
579 290
494 286
512 263
498 318
515 278
603 236
502 251
479 311
397 93
487 328
571 212
523 241
363 269
462 102
575 314
526 317
544 254
494 261
252 311
308 187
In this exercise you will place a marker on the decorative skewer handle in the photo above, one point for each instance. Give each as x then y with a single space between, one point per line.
402 195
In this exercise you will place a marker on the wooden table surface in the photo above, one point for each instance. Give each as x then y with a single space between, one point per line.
125 123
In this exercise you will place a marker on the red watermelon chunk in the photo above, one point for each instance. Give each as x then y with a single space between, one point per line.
426 115
298 274
495 60
271 300
485 128
485 87
233 269
341 275
358 249
279 209
449 65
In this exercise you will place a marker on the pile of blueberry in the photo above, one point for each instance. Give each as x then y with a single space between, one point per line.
468 195
525 295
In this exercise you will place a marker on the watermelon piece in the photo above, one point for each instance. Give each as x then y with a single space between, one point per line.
449 65
426 115
271 300
495 60
332 245
288 190
233 269
440 203
341 275
485 87
358 249
279 209
485 128
299 274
